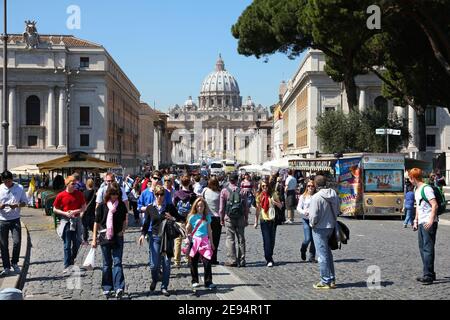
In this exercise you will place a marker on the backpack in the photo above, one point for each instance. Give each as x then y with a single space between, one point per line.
184 207
235 206
439 196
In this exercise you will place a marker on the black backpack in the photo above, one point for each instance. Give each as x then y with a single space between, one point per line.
235 206
439 196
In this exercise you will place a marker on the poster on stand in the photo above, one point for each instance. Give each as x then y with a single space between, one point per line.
349 180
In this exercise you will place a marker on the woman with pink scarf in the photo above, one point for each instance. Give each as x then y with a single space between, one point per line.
110 224
199 230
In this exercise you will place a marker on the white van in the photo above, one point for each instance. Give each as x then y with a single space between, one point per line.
216 168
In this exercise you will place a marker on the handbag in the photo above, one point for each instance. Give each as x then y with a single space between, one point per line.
101 238
271 213
186 244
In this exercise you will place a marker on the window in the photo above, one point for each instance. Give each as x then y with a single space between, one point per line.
176 116
431 140
33 111
84 140
84 62
32 141
430 116
85 116
327 109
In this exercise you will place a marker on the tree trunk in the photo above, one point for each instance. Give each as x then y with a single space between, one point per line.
422 129
350 89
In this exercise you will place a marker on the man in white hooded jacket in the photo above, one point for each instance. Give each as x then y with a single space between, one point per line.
323 211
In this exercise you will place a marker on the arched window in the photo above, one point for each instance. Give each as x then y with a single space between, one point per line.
33 111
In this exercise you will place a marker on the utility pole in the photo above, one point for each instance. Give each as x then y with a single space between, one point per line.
5 123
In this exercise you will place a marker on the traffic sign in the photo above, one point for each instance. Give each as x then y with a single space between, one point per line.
394 132
380 131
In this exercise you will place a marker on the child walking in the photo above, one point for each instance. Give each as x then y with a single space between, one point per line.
199 230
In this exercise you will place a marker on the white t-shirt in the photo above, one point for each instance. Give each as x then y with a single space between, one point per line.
423 206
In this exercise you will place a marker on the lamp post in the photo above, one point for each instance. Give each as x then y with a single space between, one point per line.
67 71
258 125
5 123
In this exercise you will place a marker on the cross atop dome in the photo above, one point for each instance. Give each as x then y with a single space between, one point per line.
220 65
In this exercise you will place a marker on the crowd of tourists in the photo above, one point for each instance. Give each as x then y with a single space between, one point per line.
181 218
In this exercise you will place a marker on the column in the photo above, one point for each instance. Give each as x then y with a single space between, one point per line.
51 118
1 117
12 118
231 139
206 137
222 141
412 128
155 149
362 99
61 119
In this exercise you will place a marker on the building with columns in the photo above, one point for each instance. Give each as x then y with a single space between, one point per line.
67 94
220 125
312 92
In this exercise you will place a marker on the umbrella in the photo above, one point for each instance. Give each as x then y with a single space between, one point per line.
26 169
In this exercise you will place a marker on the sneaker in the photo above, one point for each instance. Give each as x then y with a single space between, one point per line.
289 221
16 268
211 286
270 264
195 285
425 280
67 270
405 226
333 285
119 294
5 273
321 285
107 293
165 292
242 265
153 286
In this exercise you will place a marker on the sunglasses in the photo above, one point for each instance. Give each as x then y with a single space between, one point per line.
155 178
160 194
109 181
167 180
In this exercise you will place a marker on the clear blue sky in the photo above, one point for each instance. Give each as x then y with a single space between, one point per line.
166 47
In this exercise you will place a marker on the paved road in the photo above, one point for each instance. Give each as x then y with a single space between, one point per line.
380 243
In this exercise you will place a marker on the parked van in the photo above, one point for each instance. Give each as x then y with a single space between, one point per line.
216 168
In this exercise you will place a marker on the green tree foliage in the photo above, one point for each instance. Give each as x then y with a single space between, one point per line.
355 131
337 27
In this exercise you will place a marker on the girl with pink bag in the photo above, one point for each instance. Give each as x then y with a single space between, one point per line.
199 230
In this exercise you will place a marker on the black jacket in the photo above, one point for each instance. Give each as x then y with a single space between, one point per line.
152 216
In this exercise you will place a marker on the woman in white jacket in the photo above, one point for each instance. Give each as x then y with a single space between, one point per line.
303 208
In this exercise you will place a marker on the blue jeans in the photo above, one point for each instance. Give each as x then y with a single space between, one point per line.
409 218
71 245
268 230
157 260
326 264
112 273
16 231
307 231
427 240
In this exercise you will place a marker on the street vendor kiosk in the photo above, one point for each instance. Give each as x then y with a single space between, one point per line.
367 184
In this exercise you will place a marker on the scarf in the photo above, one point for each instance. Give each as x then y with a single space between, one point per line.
265 201
109 220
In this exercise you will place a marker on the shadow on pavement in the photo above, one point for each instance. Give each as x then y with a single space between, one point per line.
44 262
349 260
361 284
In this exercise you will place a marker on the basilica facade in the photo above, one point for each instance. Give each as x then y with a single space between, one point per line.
220 125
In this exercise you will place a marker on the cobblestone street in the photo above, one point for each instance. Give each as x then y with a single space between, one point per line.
382 243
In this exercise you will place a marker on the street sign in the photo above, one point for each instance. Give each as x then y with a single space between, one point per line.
394 132
380 131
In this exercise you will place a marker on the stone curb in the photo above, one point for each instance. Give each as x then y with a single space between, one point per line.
17 280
